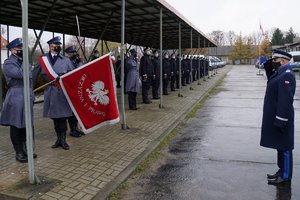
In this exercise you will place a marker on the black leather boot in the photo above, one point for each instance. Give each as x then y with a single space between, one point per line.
58 141
16 138
63 142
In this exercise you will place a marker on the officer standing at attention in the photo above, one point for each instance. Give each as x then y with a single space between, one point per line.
132 82
12 113
73 122
56 105
166 70
146 72
278 116
156 76
173 71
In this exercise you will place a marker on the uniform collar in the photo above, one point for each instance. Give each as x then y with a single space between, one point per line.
52 55
283 68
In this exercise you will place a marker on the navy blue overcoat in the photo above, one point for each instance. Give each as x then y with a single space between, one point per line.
278 112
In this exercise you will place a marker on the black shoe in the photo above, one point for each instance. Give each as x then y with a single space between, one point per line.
156 97
80 132
147 102
75 133
34 155
64 144
273 176
279 181
57 143
21 158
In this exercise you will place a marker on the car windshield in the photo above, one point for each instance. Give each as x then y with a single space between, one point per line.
296 58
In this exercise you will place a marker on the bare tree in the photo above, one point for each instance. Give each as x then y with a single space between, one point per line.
218 37
231 37
256 38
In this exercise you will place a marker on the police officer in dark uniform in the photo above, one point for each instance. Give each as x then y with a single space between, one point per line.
173 71
278 116
166 65
132 82
12 113
146 72
183 69
156 76
73 122
187 69
118 71
56 105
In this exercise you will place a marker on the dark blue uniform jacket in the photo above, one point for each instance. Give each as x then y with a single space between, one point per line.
278 112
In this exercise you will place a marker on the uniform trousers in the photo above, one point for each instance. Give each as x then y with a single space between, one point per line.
18 137
145 87
285 164
60 124
132 100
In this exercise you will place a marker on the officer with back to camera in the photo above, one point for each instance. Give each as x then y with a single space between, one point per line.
146 73
12 113
56 105
71 53
278 116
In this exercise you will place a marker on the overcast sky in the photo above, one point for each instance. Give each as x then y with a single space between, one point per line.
240 15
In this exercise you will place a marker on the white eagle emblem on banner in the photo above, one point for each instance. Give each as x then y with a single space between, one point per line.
98 93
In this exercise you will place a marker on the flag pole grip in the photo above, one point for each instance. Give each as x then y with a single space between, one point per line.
43 86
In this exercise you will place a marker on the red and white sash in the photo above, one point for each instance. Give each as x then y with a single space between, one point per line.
47 67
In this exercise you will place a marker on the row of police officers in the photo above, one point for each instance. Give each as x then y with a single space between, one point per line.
147 70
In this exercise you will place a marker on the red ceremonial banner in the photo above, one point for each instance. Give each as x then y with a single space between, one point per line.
90 91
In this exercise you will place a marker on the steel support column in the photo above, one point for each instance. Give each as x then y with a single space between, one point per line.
1 91
180 58
204 79
199 62
161 47
191 72
123 118
28 121
7 37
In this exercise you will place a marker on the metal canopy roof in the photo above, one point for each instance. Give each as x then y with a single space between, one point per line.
97 17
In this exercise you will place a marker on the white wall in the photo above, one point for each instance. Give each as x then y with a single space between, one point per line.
3 55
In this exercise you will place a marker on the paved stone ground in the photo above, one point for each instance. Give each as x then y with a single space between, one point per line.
98 162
